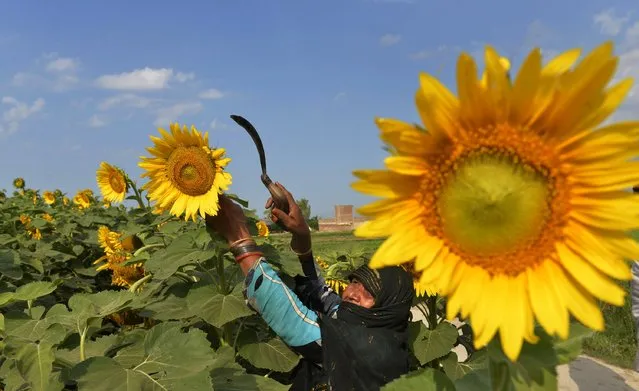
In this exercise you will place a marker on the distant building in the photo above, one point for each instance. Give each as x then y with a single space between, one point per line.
344 220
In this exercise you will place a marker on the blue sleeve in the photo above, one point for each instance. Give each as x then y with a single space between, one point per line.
292 321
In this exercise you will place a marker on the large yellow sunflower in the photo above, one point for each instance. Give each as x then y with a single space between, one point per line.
513 201
185 175
112 182
48 197
262 228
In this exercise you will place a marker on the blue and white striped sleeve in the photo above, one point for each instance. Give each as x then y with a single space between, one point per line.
279 306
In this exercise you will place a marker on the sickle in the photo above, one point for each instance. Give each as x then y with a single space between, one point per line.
279 198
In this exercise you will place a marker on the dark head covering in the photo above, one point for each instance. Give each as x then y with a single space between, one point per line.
365 348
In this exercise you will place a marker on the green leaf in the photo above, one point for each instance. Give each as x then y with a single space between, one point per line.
92 375
182 251
32 327
10 264
216 309
173 306
39 223
34 361
427 379
431 344
233 379
455 369
33 290
171 360
569 349
100 347
273 355
474 381
78 249
237 199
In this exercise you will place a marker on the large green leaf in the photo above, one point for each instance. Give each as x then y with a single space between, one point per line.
215 308
100 347
273 355
431 344
455 369
170 360
426 379
34 290
233 379
182 251
34 361
10 264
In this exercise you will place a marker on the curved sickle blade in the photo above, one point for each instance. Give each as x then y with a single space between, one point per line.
250 129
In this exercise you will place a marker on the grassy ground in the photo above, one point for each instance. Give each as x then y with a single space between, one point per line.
616 345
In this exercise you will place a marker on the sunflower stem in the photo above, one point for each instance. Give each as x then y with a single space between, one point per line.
147 247
136 285
220 273
83 337
431 303
138 194
499 375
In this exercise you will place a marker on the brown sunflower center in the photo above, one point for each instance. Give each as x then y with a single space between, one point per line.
191 170
117 182
500 200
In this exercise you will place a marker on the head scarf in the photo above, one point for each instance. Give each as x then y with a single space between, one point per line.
365 348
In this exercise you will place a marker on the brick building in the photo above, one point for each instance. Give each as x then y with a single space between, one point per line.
344 220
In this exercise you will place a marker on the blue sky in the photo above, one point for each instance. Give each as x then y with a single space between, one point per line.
83 82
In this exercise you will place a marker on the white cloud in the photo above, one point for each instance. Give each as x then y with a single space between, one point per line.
62 64
17 113
57 74
214 124
184 77
125 100
632 34
609 23
96 122
167 115
339 97
142 79
211 94
390 39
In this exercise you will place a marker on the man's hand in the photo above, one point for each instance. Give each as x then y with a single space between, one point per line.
230 221
292 222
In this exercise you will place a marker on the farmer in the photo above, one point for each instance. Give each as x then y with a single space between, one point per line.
356 342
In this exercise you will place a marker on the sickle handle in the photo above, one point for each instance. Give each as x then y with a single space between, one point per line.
279 198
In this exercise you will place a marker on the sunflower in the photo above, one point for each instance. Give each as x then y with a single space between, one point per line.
422 287
65 200
18 183
117 251
47 217
112 182
185 175
35 233
82 200
514 188
48 197
25 220
262 228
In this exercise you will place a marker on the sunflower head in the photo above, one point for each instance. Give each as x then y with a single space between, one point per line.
262 228
25 220
186 177
112 182
18 183
35 233
513 186
65 200
82 200
117 251
47 217
48 197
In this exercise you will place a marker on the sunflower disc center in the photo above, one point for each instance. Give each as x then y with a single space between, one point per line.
116 182
493 204
191 170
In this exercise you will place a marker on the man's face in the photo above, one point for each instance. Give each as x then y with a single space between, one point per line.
356 293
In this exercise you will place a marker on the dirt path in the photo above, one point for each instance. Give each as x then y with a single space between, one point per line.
589 374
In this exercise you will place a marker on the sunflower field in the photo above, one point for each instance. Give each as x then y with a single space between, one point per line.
509 206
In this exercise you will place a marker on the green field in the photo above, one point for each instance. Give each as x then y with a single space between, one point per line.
616 345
